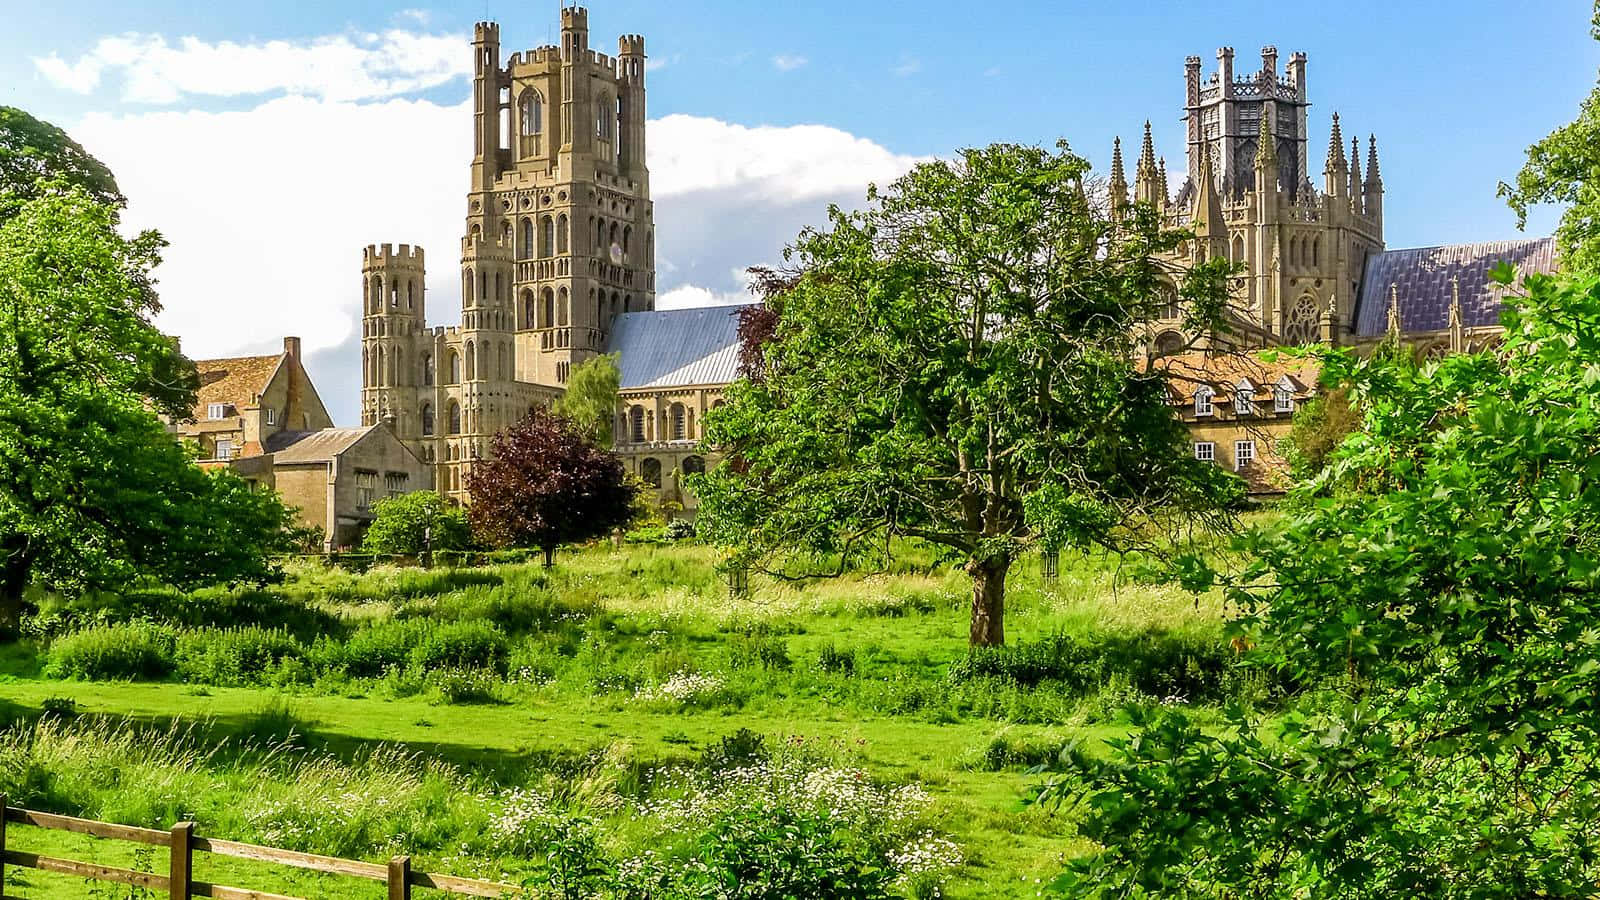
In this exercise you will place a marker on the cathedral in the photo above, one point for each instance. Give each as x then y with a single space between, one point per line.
557 266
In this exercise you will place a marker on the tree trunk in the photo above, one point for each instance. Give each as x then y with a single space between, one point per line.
989 601
549 557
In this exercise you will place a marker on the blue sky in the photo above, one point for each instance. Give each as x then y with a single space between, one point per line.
1454 91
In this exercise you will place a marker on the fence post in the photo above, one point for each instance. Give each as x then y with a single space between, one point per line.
182 867
2 846
400 878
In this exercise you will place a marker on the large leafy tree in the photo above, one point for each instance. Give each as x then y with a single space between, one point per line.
590 401
413 523
32 150
1438 599
547 484
1565 168
93 490
957 364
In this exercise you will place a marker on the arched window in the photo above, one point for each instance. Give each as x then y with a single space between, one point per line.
636 424
375 301
547 312
694 465
616 237
1316 252
527 239
427 420
603 112
547 237
466 287
627 242
561 234
678 424
650 471
622 130
600 248
411 295
1300 325
1169 343
455 417
525 314
530 118
472 362
1244 399
427 370
455 368
1238 248
563 309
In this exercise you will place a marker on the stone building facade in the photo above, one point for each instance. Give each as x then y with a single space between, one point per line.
559 241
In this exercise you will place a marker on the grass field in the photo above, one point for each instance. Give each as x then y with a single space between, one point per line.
418 712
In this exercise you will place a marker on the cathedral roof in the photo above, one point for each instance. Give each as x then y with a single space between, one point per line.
677 347
1426 278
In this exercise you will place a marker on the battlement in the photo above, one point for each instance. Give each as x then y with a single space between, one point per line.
1265 84
375 256
537 56
486 33
603 61
478 248
630 45
574 17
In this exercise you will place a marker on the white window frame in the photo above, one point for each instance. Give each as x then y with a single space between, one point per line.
1282 400
1244 453
225 449
215 411
1244 402
272 416
1205 451
1202 402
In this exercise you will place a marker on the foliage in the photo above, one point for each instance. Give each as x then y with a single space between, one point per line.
32 150
1319 427
1180 666
545 484
775 853
1444 603
108 652
93 490
590 401
460 645
956 364
412 523
1564 168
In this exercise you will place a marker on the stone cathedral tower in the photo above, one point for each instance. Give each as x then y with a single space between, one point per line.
1248 196
559 241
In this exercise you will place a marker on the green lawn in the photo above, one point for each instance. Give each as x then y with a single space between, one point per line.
634 617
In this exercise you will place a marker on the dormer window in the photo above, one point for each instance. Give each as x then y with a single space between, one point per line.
1282 400
1202 402
217 411
1243 402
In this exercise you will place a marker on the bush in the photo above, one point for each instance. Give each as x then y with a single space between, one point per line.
405 525
374 650
461 645
1161 664
234 656
776 853
741 748
465 685
759 650
838 660
132 650
680 530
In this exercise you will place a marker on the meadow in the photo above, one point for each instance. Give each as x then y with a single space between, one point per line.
620 719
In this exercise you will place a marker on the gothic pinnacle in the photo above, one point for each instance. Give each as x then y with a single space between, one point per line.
1336 161
1267 144
1147 154
1119 179
1373 178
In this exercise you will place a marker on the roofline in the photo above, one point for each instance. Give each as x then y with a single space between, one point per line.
1522 240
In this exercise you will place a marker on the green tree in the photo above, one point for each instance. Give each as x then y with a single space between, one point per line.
1565 168
956 364
1440 611
32 150
591 398
93 490
411 523
1319 427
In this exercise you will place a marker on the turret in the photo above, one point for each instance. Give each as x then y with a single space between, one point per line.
1337 170
1372 190
1117 187
631 67
1146 189
1225 70
486 85
578 116
392 282
1269 64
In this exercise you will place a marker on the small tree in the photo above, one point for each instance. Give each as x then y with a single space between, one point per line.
412 523
591 398
957 364
546 484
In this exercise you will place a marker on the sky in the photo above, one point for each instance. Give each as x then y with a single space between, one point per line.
269 142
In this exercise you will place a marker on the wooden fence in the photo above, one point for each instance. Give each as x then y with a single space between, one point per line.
183 844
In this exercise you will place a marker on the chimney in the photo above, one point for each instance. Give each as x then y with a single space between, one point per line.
291 347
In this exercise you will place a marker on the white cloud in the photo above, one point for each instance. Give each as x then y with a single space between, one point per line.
420 16
909 65
788 62
335 67
267 210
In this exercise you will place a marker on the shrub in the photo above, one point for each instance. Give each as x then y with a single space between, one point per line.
679 530
60 707
1158 663
838 660
132 650
461 645
456 686
741 748
759 650
234 656
411 523
373 650
776 853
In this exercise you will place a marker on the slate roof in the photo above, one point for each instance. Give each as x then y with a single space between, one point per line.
290 447
1423 278
677 347
235 381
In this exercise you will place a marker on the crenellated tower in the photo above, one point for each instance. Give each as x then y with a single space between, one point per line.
393 314
1248 196
559 240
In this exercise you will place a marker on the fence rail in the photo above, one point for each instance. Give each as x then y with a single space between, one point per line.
183 844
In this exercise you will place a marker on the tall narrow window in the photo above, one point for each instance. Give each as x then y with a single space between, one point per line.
636 424
1244 400
527 239
455 417
1244 453
1282 400
547 237
680 425
1202 401
427 420
561 234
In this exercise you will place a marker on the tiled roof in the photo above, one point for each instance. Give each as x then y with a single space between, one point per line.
314 446
1187 372
234 381
1423 278
677 347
